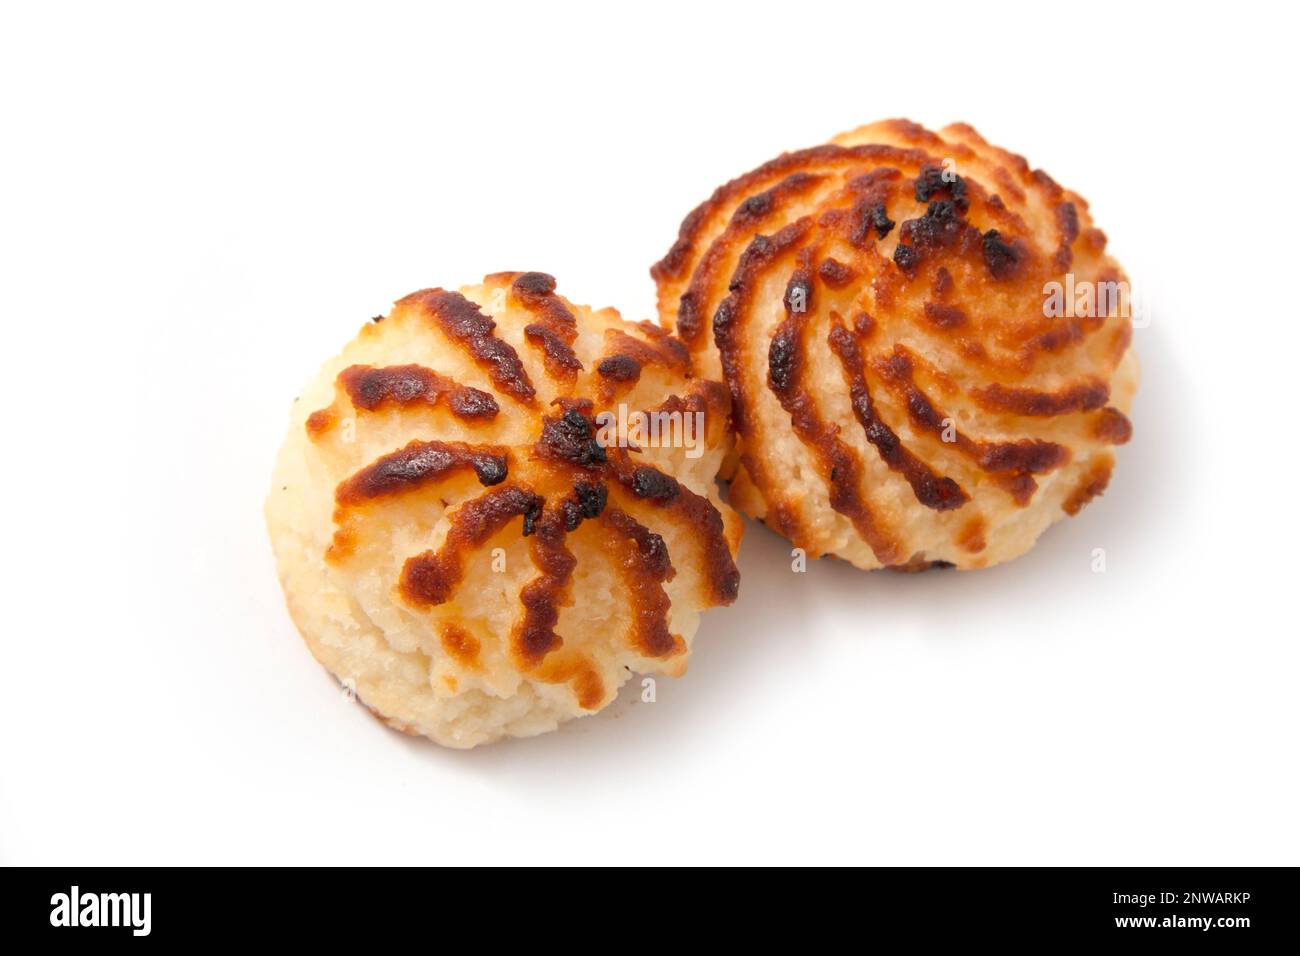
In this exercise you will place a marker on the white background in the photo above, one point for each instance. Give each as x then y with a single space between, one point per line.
200 205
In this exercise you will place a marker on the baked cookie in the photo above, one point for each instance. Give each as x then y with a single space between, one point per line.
926 344
468 540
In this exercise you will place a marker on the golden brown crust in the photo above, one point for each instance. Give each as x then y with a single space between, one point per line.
569 442
418 464
1012 463
644 565
603 559
534 636
914 267
1094 483
431 578
556 328
625 357
680 260
465 324
837 462
460 644
930 488
372 388
1084 397
730 327
695 517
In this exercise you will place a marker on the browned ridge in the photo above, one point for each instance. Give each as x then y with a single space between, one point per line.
892 282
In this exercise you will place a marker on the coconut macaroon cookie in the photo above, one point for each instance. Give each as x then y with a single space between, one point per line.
469 542
926 345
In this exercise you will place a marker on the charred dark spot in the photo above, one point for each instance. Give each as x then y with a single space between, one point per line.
647 482
783 358
654 553
532 514
536 291
942 282
534 284
1001 258
755 207
906 258
942 227
868 215
942 211
588 501
571 437
798 293
759 249
471 403
934 181
689 319
941 494
626 355
490 469
556 352
835 273
377 318
758 206
945 316
723 319
619 368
